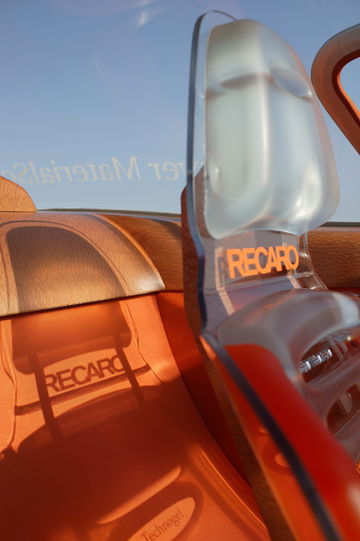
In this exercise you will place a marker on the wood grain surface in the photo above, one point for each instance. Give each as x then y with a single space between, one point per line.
335 253
161 240
13 198
52 260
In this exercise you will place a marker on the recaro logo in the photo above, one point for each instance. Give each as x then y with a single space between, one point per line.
83 374
245 262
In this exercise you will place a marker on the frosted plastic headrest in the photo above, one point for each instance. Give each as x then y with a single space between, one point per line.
269 163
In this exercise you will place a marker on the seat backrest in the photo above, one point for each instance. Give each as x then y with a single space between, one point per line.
265 174
261 174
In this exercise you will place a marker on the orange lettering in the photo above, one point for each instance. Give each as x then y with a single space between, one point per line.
261 260
282 255
261 250
249 261
273 261
295 264
235 263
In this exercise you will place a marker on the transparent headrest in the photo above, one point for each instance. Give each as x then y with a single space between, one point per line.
268 161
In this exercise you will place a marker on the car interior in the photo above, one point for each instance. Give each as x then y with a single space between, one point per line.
196 376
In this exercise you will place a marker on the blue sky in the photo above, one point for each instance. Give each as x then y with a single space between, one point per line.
94 94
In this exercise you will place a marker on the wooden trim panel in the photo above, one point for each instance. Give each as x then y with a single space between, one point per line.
335 253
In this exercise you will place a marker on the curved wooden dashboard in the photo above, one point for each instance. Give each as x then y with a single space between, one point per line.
52 260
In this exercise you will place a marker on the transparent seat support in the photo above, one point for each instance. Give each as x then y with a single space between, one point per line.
261 175
268 176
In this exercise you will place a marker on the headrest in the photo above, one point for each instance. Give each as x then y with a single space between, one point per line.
268 162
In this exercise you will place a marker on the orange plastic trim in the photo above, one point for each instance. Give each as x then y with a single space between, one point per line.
330 468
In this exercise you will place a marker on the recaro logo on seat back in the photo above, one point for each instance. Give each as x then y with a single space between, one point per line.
245 262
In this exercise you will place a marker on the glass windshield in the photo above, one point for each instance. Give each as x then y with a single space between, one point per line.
94 95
